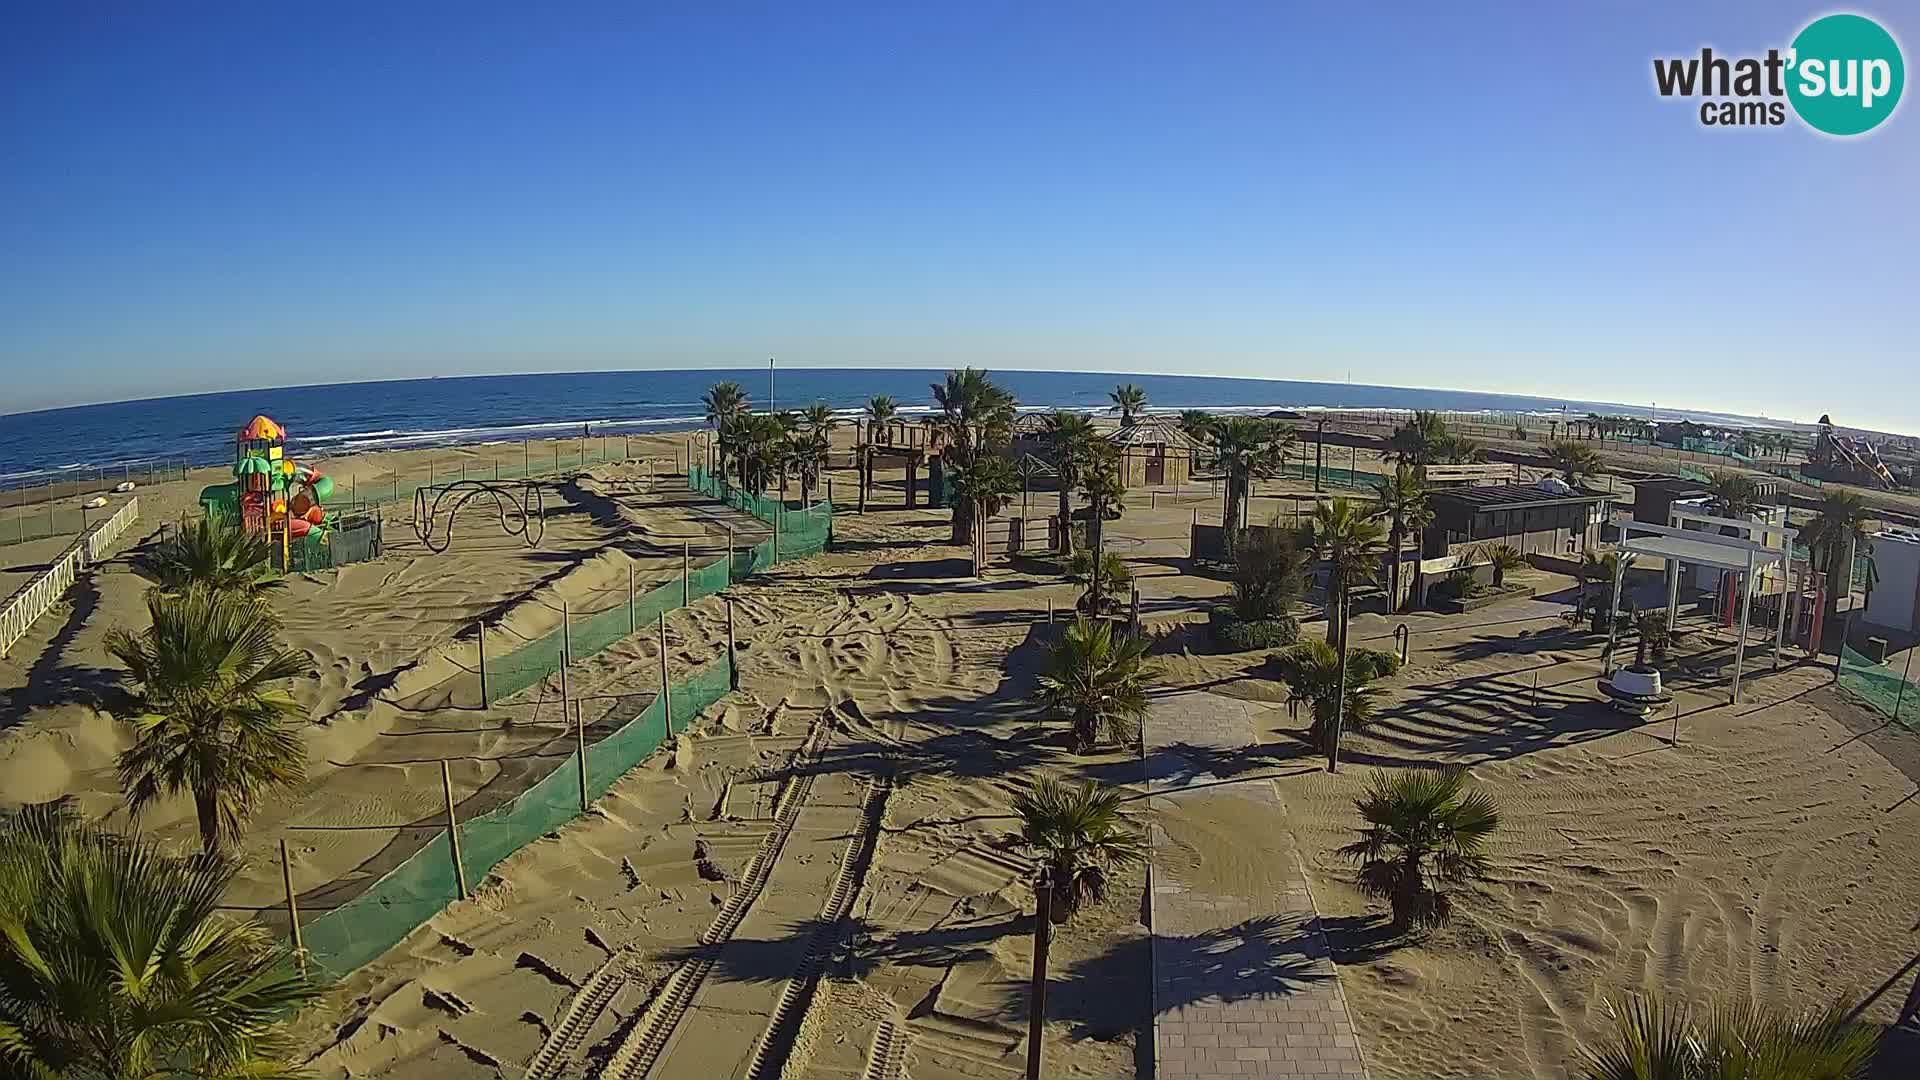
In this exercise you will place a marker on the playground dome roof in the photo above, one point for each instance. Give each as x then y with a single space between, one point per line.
259 429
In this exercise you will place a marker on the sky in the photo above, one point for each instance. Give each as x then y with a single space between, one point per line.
1483 197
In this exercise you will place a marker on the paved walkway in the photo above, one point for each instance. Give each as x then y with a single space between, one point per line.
1242 985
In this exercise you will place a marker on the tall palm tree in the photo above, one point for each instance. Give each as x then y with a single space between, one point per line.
810 444
1131 401
1196 422
1733 494
1573 460
1402 500
208 716
1078 835
1837 530
976 416
726 402
1104 489
216 553
1312 672
1655 1039
985 483
1420 441
881 410
1094 679
1246 448
1425 829
1352 543
117 962
1070 439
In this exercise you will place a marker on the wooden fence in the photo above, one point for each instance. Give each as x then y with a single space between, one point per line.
38 596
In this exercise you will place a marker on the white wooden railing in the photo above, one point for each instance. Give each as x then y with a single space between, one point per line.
38 596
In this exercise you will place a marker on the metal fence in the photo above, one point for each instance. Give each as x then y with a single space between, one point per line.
1887 692
38 596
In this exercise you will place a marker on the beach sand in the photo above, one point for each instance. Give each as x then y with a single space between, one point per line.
845 816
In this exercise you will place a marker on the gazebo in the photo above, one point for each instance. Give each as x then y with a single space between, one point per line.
1739 554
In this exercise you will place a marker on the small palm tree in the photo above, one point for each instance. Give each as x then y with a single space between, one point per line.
1573 460
1351 542
1835 533
987 482
1504 557
1311 671
726 402
214 552
1733 494
1424 829
1095 681
1080 839
1070 436
1655 1039
1115 579
881 409
1195 423
1131 401
1246 448
116 961
208 717
1402 500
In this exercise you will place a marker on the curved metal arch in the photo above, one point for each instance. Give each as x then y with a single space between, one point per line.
522 512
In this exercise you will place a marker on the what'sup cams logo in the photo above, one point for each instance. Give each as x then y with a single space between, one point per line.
1842 76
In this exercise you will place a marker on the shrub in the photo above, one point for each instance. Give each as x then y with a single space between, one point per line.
1237 634
1116 579
1377 663
1268 567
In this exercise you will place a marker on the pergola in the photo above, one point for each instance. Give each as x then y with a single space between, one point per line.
1740 554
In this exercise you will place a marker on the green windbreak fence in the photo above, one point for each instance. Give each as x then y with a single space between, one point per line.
1892 696
361 929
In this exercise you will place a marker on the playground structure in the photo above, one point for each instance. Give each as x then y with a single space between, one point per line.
521 507
275 496
1847 460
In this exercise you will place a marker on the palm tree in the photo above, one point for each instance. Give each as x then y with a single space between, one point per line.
1071 438
1195 423
810 445
1268 568
208 718
726 402
1595 574
1504 557
1080 839
986 482
1111 577
1573 460
117 962
1659 1040
1351 542
1312 672
1131 401
1835 533
1733 494
1425 828
976 416
214 552
881 410
1246 448
1402 500
1420 441
1095 681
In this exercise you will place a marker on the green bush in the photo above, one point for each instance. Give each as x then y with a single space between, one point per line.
1234 633
1377 662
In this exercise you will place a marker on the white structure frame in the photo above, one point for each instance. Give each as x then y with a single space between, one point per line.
1675 545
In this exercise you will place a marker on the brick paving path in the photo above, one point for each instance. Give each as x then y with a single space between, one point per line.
1243 986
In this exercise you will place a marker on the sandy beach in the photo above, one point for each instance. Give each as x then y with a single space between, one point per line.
820 876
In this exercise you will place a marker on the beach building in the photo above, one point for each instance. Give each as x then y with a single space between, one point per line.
1544 518
1154 451
1894 603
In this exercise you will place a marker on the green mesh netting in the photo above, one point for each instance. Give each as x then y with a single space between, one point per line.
361 929
1889 694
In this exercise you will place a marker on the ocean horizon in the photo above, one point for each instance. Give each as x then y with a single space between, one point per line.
331 420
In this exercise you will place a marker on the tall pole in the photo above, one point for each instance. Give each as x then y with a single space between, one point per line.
580 750
1900 697
631 616
1339 698
293 907
686 578
666 695
453 828
770 406
733 653
1037 994
1740 627
480 628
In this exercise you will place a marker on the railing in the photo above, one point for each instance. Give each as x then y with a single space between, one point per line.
38 596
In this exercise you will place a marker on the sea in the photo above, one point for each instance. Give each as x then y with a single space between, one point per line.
346 418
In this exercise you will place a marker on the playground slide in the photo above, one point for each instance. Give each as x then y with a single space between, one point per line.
1861 455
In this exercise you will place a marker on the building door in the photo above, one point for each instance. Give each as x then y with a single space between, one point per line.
1157 467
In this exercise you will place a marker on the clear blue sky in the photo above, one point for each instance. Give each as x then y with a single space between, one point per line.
195 199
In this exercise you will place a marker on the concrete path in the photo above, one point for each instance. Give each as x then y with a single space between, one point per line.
1242 985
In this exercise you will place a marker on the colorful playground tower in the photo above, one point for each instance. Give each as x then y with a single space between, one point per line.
1847 460
270 493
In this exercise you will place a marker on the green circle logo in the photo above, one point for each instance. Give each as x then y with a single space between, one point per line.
1845 74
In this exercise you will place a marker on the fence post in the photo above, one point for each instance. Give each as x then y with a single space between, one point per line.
776 536
666 695
293 908
480 625
429 470
1049 611
733 651
686 578
566 639
631 616
526 459
1134 613
453 828
580 749
729 552
1193 531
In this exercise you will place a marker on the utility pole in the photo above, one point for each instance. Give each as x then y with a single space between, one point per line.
1037 994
